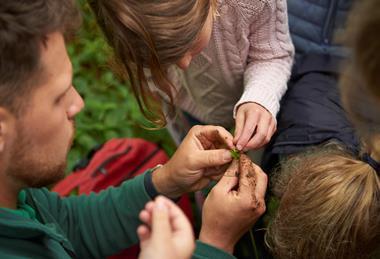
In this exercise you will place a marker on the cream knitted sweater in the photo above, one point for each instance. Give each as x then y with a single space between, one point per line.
248 59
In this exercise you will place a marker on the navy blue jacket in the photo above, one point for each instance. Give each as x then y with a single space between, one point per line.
315 24
311 112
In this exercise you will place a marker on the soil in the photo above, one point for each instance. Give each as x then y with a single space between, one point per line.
247 171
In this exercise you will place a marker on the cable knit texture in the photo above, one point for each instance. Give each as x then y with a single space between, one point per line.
248 59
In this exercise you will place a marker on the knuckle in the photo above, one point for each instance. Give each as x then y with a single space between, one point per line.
243 140
258 206
219 129
252 205
212 158
260 136
196 128
262 209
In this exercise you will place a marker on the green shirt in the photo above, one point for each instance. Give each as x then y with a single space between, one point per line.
23 209
93 226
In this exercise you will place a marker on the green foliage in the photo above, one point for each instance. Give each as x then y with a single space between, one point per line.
235 154
111 109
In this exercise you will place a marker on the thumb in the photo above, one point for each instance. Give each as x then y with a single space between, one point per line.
161 228
210 158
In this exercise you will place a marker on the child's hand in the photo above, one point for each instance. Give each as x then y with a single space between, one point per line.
254 126
166 232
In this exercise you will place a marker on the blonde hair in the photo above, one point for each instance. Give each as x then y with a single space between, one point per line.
329 207
152 34
330 200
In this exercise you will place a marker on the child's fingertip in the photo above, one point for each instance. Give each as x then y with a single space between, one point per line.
160 205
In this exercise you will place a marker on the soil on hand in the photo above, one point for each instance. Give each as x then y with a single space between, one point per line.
247 174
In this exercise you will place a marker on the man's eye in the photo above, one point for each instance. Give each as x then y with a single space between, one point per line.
59 99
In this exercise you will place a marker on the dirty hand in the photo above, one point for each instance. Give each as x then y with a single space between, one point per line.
166 233
254 127
197 160
233 205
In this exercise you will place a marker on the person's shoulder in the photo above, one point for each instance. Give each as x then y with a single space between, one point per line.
42 196
247 6
37 192
242 9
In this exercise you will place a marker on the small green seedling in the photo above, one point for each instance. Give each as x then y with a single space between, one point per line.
235 154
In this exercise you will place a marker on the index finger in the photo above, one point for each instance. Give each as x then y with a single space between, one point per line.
214 137
247 179
252 184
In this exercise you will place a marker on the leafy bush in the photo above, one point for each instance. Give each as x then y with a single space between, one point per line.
111 109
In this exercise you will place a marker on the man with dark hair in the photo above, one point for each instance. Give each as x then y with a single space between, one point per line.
38 104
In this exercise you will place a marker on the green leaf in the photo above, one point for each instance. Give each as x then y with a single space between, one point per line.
235 154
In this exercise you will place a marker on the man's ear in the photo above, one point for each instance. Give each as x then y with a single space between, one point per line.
7 124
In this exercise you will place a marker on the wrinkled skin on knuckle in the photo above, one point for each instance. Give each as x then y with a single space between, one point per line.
206 144
212 159
219 129
219 140
260 207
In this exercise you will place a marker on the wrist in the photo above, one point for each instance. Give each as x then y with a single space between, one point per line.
217 241
164 184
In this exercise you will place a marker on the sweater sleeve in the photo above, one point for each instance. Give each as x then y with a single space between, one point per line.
270 58
99 225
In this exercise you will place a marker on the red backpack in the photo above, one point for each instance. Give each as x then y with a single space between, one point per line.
112 163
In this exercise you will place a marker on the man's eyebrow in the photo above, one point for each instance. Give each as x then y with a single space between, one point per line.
71 82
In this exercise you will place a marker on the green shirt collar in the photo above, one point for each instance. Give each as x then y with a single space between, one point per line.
23 209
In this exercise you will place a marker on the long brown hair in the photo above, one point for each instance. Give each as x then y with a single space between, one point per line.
150 34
